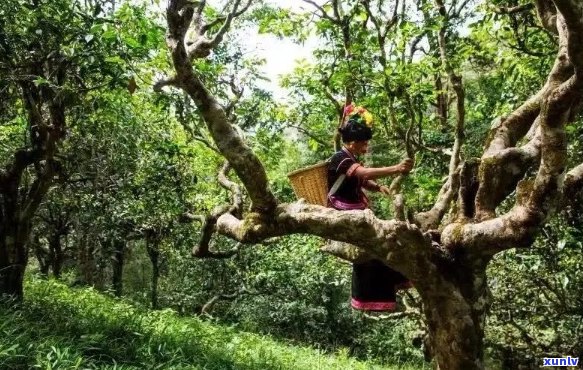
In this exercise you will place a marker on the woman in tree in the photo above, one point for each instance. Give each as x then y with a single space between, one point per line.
374 284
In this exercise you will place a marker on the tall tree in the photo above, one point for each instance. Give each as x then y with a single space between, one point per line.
53 53
447 264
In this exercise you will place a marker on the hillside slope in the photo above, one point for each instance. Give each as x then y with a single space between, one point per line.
63 328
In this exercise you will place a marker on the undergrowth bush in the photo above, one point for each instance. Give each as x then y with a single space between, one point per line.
292 292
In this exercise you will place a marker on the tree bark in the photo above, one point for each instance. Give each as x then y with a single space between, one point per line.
154 254
455 311
14 235
155 278
56 255
85 260
18 203
13 258
42 256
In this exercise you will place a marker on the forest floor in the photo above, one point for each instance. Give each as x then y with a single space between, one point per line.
57 327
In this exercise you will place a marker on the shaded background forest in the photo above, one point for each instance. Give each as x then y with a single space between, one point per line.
137 169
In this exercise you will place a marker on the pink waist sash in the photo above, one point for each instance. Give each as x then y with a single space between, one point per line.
340 204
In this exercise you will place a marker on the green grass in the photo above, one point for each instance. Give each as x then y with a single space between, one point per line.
62 328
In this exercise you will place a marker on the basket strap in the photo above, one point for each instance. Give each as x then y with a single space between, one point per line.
336 185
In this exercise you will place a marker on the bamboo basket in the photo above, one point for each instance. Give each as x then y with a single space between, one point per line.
311 183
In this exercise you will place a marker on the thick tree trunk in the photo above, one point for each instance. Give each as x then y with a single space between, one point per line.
455 334
118 263
455 311
12 277
13 259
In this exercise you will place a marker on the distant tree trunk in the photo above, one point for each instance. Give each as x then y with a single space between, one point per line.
56 255
153 240
85 261
154 254
42 256
118 264
53 258
155 278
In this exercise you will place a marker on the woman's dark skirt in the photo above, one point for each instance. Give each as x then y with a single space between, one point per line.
375 285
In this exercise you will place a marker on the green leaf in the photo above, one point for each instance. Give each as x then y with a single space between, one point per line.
114 59
41 81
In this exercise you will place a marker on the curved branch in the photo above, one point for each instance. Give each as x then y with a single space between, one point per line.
216 40
571 10
556 111
345 251
308 134
240 156
210 25
202 250
400 244
547 14
382 33
187 217
456 82
499 174
506 131
395 188
200 46
560 86
515 229
573 182
513 9
571 14
324 13
236 196
229 297
171 81
536 199
429 220
325 80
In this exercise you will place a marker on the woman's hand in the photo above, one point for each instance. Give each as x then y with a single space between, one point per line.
385 190
405 166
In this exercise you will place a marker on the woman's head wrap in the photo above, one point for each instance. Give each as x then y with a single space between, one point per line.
357 124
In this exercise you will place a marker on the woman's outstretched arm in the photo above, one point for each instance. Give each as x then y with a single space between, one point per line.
371 173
